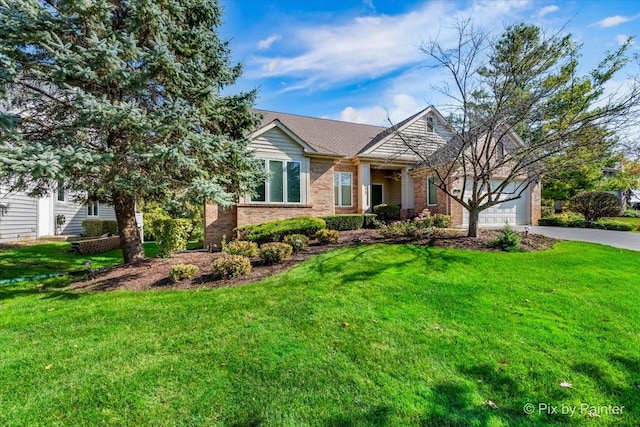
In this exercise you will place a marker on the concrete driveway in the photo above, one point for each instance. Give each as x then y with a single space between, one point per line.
617 239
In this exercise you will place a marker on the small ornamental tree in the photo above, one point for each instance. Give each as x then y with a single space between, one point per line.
122 100
595 205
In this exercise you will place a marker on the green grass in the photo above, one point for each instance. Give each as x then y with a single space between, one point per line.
56 258
431 335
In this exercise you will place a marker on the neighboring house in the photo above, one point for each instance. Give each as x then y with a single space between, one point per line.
324 167
26 218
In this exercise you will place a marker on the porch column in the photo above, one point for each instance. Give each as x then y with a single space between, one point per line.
406 189
364 185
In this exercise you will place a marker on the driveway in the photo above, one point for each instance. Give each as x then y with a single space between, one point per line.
617 239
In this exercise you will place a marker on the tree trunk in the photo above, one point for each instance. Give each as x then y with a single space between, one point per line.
474 214
125 207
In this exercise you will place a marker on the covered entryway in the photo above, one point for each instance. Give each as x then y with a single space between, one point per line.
512 212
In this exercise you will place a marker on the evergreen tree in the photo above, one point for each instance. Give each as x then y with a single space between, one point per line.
121 100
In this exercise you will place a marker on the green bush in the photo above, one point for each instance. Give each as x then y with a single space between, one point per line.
547 211
274 231
298 242
344 222
508 240
241 247
386 212
150 218
631 213
228 266
172 235
275 253
595 205
442 221
615 225
370 220
326 236
182 271
98 227
552 222
411 229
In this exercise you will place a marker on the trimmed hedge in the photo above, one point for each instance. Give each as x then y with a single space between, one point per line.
98 227
560 221
299 242
182 271
275 253
228 266
241 247
274 231
387 212
343 222
326 236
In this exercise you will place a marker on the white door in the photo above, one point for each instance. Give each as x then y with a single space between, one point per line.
512 212
46 221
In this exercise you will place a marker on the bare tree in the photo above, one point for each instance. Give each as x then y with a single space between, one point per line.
516 101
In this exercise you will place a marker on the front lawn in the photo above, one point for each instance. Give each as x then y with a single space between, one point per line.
364 335
55 258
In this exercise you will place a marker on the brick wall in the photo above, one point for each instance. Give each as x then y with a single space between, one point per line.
95 246
536 204
219 222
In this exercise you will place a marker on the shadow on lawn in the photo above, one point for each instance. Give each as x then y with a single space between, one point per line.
52 289
364 265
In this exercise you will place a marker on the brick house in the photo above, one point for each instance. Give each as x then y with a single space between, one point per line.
323 167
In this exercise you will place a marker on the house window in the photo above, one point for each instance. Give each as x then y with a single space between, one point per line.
93 209
342 188
283 184
432 191
429 124
60 191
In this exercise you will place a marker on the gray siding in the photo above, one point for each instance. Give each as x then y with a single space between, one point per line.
75 213
275 143
417 131
18 216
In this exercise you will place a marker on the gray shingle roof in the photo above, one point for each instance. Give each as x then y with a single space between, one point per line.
326 135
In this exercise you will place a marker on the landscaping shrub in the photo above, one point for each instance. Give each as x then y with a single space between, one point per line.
274 231
424 219
508 240
369 220
442 221
241 247
150 218
552 222
326 236
172 235
615 225
228 266
595 205
408 229
182 271
298 242
98 227
344 222
386 212
275 253
631 213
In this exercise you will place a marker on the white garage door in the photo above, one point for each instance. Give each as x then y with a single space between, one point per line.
512 212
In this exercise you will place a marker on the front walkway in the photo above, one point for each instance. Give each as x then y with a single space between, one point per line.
617 239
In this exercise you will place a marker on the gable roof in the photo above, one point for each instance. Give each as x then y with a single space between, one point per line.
399 127
325 135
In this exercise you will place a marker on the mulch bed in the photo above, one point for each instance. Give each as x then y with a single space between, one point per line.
153 273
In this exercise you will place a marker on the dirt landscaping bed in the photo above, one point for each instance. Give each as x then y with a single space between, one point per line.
153 273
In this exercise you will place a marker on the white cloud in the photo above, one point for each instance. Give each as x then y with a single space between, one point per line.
266 43
403 106
547 9
612 21
372 46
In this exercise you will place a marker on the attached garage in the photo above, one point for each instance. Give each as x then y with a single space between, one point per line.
514 212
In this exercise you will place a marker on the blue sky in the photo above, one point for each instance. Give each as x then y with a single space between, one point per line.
358 60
